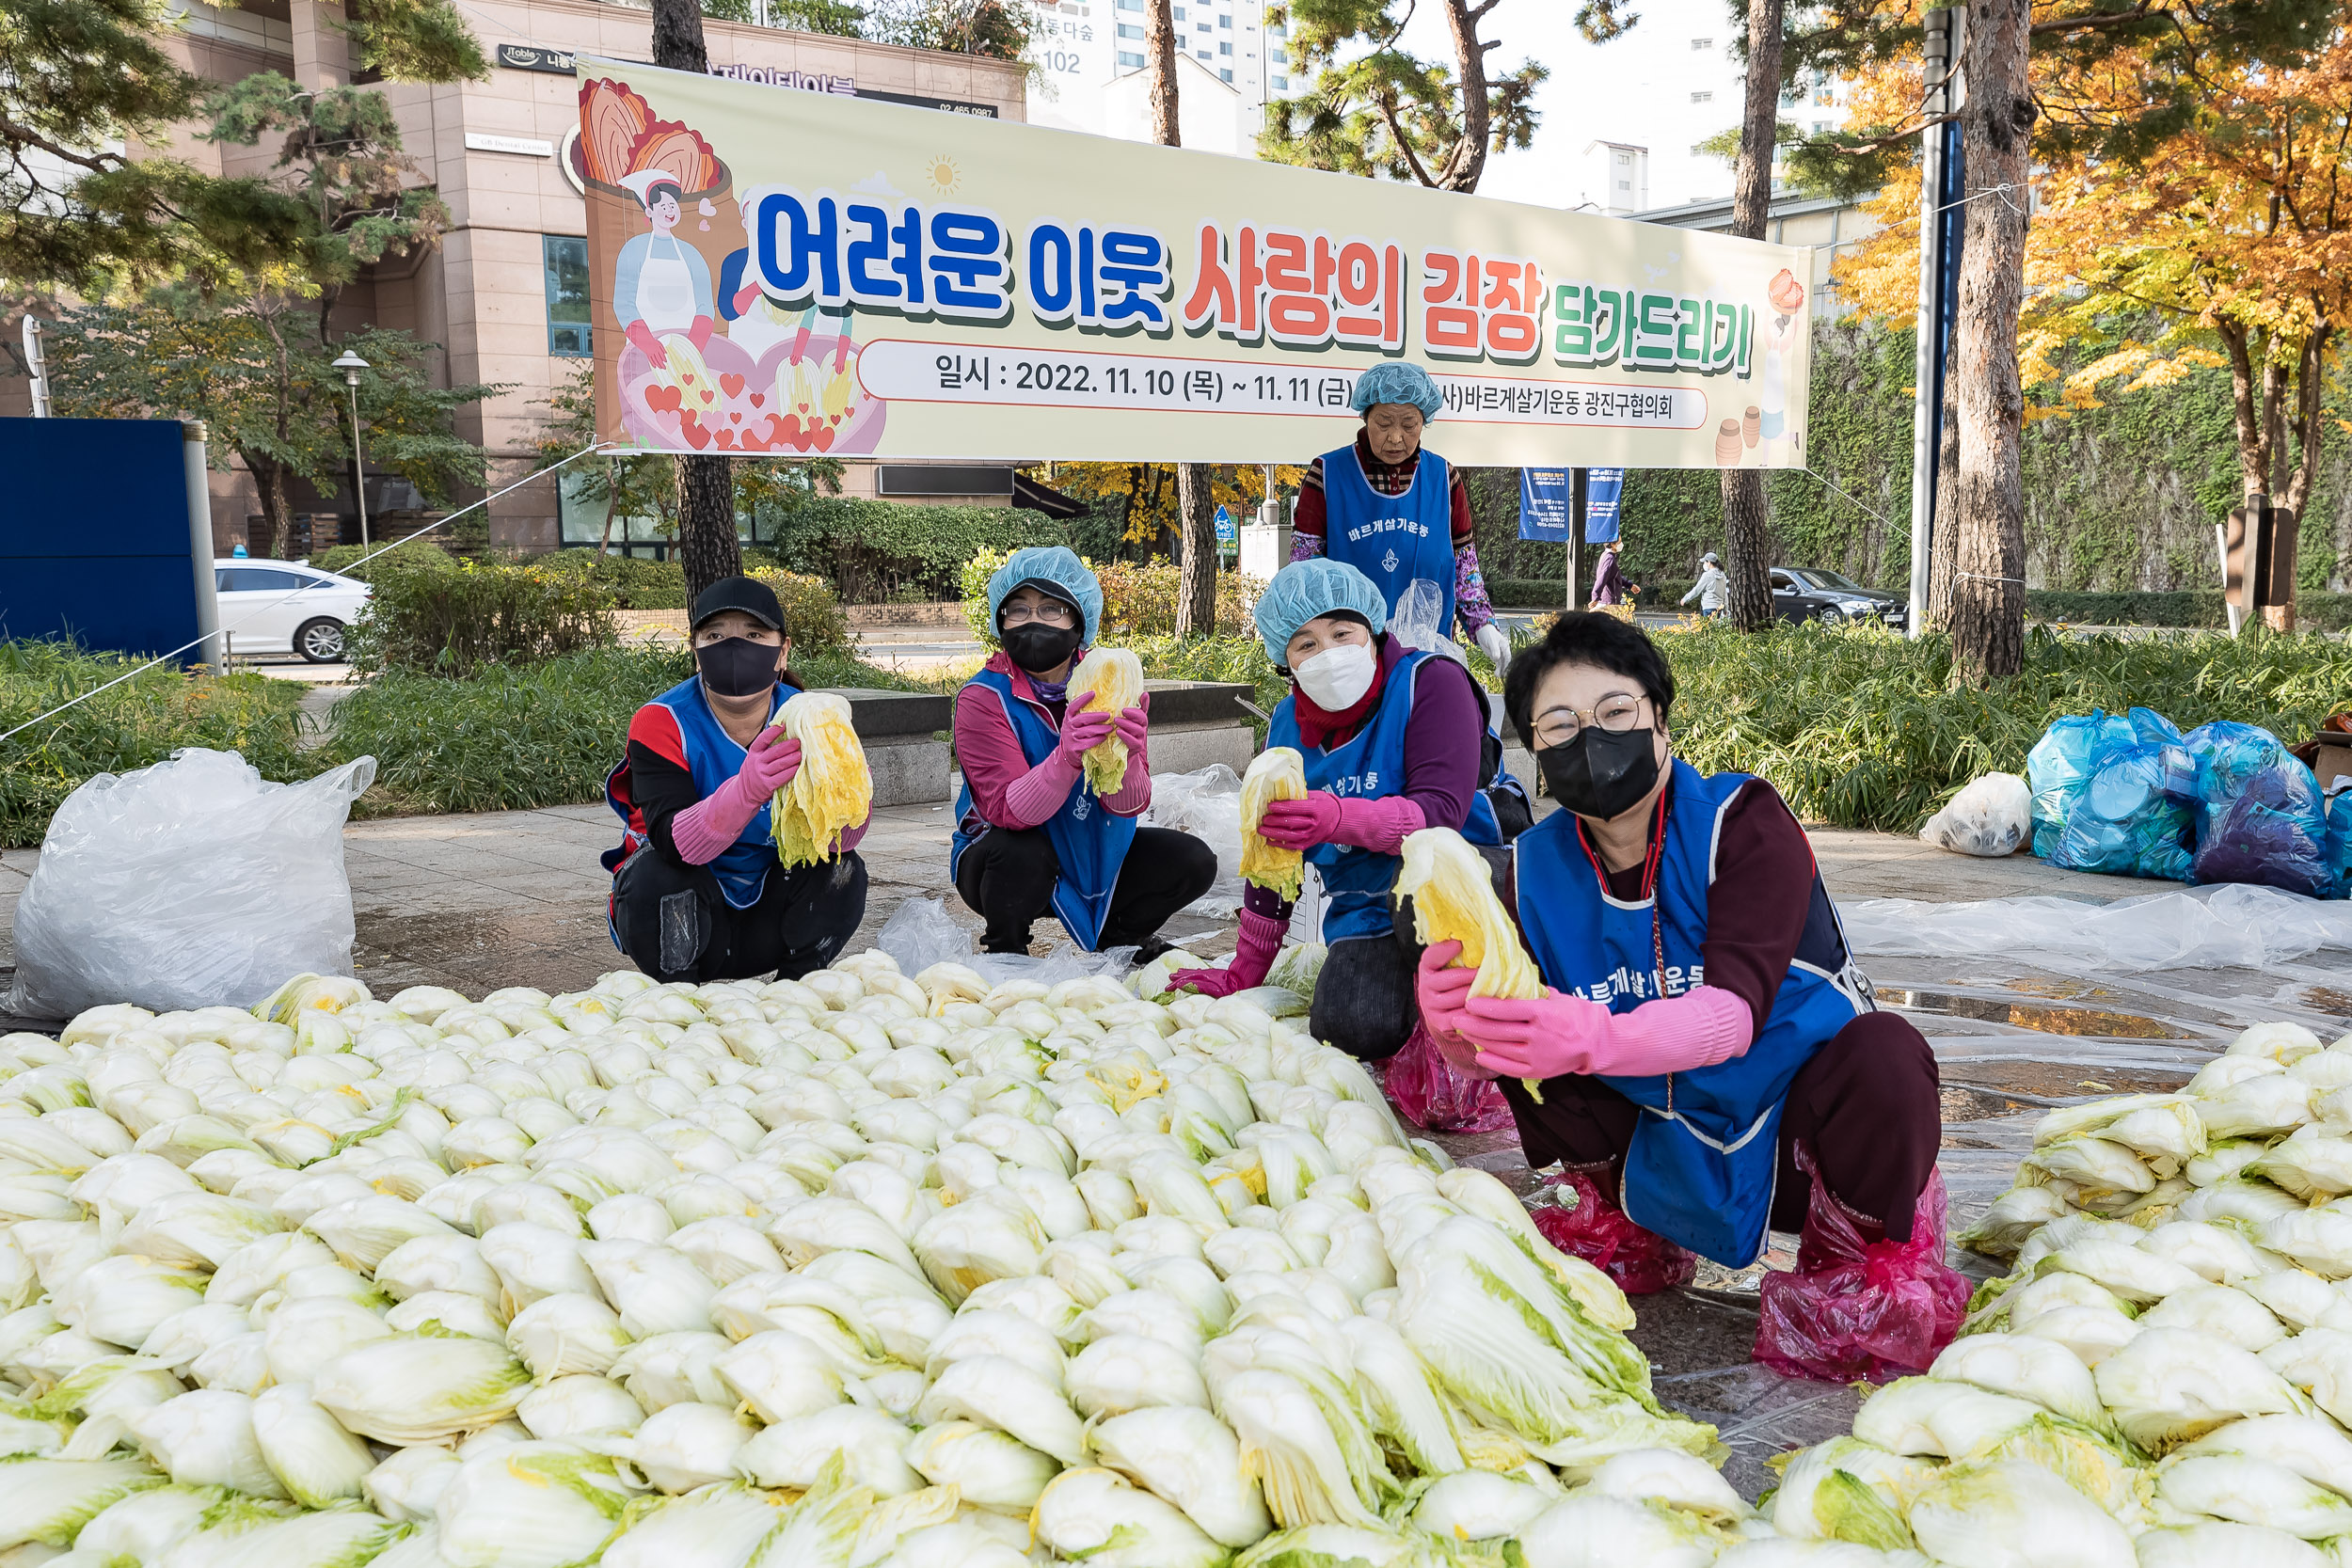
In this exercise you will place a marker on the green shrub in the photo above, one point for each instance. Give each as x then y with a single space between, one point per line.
135 724
1864 729
423 555
812 616
634 582
2315 611
478 616
516 738
887 552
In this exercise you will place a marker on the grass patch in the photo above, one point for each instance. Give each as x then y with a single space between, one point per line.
1862 729
135 724
516 739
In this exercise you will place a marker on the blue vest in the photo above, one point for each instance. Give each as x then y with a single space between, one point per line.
1089 839
1357 881
1705 1155
713 757
1393 540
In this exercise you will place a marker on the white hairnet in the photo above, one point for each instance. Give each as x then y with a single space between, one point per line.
1306 589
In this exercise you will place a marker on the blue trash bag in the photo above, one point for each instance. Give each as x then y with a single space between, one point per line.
2061 765
2228 755
2273 829
2162 735
2340 841
2126 823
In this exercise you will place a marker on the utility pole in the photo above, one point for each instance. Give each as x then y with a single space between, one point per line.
1941 76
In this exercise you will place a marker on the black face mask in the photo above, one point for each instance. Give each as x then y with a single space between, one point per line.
1037 647
1598 774
737 666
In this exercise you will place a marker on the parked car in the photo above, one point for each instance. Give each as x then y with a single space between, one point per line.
276 606
1817 593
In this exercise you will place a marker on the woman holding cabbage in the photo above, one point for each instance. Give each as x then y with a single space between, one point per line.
1390 738
1053 779
698 891
1705 1060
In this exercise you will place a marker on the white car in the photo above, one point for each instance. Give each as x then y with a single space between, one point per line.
276 606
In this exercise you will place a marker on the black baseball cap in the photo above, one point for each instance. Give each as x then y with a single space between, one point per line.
750 596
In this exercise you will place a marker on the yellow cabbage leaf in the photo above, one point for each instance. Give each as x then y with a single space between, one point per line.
833 790
1280 773
1453 900
1116 678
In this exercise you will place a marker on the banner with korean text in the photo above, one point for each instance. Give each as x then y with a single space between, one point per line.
788 273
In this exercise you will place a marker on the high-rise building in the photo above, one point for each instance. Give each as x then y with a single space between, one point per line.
1095 72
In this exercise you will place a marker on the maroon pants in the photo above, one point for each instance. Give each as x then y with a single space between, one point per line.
1865 1108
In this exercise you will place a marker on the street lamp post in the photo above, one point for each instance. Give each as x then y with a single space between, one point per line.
351 365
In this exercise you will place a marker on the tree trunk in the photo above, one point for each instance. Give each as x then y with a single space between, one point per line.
611 508
1468 161
705 486
269 484
1196 509
1159 50
1943 546
1988 592
1747 545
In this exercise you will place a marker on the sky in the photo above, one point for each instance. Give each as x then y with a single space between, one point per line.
1635 89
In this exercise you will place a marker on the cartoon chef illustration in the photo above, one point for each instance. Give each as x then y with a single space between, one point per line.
660 284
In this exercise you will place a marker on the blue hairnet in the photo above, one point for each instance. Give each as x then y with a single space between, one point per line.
1306 589
1394 381
1057 570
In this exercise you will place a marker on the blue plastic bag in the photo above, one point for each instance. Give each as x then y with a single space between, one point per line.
2127 823
2061 766
2259 816
2340 841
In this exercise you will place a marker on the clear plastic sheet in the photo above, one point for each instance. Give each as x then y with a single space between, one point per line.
2233 925
1431 1095
1205 803
923 933
1576 1216
192 883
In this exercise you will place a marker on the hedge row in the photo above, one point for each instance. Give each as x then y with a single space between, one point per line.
2315 611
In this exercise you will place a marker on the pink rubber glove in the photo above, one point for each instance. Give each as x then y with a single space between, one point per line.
1556 1033
1322 817
770 763
1261 940
1081 732
1132 726
1441 992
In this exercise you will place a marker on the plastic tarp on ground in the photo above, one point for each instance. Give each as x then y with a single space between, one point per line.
2229 926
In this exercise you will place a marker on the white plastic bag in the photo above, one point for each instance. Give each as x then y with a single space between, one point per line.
192 883
1414 621
1205 803
922 933
1990 816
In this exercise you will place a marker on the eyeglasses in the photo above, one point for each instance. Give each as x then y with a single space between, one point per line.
1615 713
1049 614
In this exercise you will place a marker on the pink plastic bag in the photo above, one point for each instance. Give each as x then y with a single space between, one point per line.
1433 1096
1579 1219
1857 1309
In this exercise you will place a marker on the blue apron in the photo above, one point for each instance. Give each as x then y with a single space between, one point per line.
1089 840
713 757
1393 540
1703 1157
1357 881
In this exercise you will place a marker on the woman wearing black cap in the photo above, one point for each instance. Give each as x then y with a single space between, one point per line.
697 892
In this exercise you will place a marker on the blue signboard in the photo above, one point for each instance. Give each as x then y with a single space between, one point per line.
1602 489
1544 504
110 565
1225 534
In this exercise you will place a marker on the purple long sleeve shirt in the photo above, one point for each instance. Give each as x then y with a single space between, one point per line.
1008 792
1442 743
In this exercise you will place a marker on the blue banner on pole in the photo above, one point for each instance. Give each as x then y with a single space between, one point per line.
1602 489
1544 504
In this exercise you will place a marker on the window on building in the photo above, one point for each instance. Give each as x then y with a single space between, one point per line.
1625 184
567 294
1226 22
1225 48
1702 98
1178 13
1278 30
1202 55
1130 62
1224 75
1129 30
1702 45
1625 159
1200 26
1131 5
1278 56
1282 83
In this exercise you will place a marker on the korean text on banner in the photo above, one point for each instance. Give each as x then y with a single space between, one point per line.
1544 504
1602 486
788 273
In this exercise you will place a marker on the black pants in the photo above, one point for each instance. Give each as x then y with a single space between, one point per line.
1365 1002
673 922
1007 876
1866 1107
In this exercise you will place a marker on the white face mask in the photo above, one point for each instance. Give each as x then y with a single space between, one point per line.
1337 679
